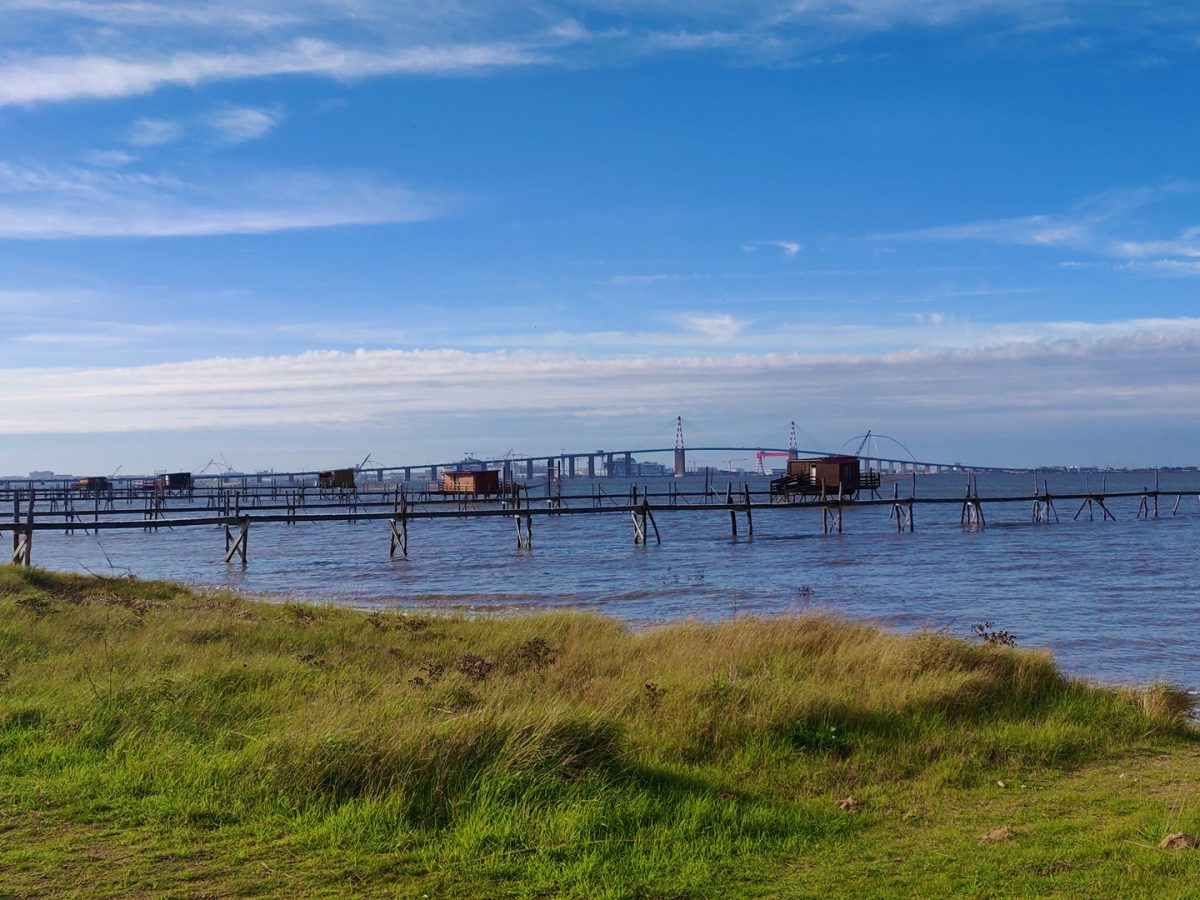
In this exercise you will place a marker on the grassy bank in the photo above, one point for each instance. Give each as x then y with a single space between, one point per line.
155 741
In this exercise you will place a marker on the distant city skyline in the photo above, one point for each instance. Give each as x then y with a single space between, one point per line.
295 233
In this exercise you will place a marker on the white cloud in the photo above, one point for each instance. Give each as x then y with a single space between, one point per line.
1094 225
113 159
59 77
252 15
1169 266
146 132
1128 378
73 49
238 124
57 338
788 248
43 202
721 327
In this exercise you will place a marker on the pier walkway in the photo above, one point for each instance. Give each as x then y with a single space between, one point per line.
62 510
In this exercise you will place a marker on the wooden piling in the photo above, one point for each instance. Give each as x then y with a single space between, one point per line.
237 546
647 514
749 513
399 529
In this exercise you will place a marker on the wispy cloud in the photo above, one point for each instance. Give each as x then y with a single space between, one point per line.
1167 266
59 78
43 202
109 158
720 327
1138 377
146 132
61 50
787 248
238 124
1100 225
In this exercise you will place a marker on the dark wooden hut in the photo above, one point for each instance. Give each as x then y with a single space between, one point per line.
342 479
474 482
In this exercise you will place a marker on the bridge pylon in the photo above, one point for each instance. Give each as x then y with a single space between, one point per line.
680 454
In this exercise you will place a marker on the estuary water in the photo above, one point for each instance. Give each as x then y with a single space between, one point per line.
1115 601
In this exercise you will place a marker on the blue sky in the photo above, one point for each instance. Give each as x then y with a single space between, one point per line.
297 232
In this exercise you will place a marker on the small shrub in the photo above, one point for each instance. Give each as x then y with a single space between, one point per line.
430 673
412 624
474 667
535 653
993 638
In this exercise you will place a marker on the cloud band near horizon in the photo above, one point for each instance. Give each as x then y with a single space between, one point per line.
1052 384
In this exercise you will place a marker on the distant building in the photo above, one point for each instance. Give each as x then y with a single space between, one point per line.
342 479
486 481
832 473
173 481
93 484
41 475
637 469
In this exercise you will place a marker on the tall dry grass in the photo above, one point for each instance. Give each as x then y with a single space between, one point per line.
140 702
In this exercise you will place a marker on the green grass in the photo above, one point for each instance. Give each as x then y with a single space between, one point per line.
154 741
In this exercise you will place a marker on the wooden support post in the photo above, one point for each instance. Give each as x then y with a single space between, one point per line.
647 514
399 536
22 554
972 509
1043 507
732 512
525 534
749 513
1104 509
236 546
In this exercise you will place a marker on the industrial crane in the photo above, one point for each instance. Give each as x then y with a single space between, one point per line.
863 443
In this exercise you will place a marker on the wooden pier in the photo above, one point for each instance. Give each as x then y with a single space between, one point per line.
237 510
